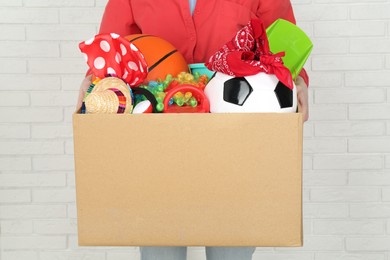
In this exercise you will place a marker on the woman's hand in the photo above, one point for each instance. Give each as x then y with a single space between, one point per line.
303 99
83 89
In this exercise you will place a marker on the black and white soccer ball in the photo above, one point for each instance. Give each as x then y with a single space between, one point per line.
257 93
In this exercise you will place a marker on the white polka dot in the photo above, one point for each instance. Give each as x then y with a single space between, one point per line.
125 74
114 35
133 47
242 33
123 49
111 71
99 63
118 57
85 56
90 41
132 65
141 68
105 46
135 81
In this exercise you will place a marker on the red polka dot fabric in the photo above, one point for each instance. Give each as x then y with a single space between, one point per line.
111 54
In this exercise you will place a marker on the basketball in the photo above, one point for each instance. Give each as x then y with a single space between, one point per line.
161 56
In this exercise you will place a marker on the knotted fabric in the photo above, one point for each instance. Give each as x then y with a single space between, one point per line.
248 53
111 54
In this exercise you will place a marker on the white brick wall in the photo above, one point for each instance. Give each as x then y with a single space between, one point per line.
346 148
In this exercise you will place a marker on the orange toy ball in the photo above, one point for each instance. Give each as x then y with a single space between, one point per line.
161 56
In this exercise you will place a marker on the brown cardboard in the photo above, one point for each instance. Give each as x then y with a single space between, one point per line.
189 179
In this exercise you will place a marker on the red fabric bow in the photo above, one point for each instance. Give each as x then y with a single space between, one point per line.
248 53
111 54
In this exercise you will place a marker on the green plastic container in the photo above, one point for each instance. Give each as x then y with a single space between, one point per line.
286 36
201 68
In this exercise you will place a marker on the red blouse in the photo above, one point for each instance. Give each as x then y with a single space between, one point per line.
197 36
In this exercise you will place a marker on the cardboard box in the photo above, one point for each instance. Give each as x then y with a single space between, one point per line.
189 179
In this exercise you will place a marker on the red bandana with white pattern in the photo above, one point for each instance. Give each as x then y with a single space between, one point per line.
248 53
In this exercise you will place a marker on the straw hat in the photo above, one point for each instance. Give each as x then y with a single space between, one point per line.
110 95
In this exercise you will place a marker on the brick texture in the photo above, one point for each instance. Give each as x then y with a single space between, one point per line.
346 141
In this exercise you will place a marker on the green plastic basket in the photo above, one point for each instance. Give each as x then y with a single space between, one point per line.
286 36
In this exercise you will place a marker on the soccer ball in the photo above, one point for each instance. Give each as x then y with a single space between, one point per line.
257 93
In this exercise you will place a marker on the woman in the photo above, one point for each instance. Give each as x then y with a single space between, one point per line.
197 28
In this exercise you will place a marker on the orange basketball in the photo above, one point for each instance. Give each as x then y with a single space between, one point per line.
161 56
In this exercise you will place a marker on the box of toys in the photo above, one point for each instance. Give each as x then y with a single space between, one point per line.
168 154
